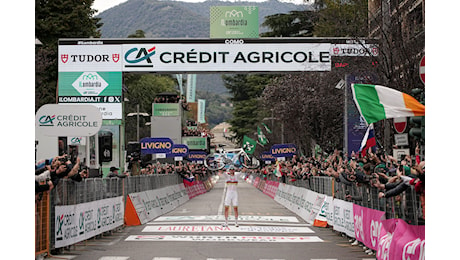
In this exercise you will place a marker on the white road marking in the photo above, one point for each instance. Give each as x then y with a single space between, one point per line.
231 228
260 239
241 218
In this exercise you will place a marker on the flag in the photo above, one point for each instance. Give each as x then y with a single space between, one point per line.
260 135
376 102
267 129
368 140
249 145
277 170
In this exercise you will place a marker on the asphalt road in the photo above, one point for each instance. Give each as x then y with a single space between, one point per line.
193 231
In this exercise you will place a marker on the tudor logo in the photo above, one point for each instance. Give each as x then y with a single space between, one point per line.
116 57
336 50
64 58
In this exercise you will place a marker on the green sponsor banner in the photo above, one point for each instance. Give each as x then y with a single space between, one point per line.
234 22
90 84
166 109
195 143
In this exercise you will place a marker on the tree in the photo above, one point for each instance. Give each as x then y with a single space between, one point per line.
307 104
337 18
293 24
246 90
142 89
56 19
137 34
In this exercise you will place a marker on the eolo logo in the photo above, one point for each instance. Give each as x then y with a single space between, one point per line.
141 55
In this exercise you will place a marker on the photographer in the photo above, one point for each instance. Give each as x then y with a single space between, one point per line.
62 168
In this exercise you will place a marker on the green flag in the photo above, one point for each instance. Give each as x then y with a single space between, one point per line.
267 129
249 145
260 135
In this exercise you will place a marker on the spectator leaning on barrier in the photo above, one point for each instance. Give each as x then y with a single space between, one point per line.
114 173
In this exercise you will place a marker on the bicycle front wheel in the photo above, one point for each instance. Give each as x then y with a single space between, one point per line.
213 162
249 161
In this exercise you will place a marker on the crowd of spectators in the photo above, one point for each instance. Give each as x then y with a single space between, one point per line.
172 99
185 170
191 128
391 176
49 172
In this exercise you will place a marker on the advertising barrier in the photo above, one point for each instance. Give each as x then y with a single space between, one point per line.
150 204
368 223
303 202
391 239
75 223
399 240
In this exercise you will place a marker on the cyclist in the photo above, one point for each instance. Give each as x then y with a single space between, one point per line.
231 197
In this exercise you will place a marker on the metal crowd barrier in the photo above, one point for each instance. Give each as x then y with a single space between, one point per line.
68 192
406 206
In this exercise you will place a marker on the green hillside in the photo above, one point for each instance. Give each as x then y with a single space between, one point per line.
174 19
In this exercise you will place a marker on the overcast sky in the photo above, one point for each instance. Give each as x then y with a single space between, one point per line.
102 5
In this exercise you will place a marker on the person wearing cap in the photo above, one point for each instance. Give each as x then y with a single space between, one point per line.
114 173
231 196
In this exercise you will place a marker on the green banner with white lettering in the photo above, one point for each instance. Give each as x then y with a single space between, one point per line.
234 22
90 84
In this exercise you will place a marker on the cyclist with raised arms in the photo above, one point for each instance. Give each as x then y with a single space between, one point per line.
231 196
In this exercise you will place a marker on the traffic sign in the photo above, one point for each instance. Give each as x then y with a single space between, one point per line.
422 69
400 124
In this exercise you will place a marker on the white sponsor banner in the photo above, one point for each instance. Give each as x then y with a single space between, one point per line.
201 111
220 228
75 223
354 49
89 58
226 57
153 203
241 218
67 120
303 202
328 210
343 217
264 239
108 110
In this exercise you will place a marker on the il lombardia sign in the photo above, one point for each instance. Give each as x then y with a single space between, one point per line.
68 120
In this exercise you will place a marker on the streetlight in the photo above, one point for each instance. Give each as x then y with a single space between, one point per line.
137 114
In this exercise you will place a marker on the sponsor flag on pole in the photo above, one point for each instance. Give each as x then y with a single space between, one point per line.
267 129
260 135
368 140
249 145
376 102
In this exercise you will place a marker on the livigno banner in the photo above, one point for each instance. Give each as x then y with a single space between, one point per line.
234 22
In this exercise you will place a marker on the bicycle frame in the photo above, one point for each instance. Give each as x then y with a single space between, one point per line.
222 159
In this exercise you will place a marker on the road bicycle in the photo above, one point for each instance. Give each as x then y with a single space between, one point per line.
237 157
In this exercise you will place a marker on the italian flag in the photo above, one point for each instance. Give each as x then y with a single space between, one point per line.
376 102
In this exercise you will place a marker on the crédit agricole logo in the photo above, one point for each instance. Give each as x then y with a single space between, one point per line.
136 56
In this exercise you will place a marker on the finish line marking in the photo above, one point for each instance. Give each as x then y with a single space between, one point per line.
260 239
245 223
222 218
231 228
